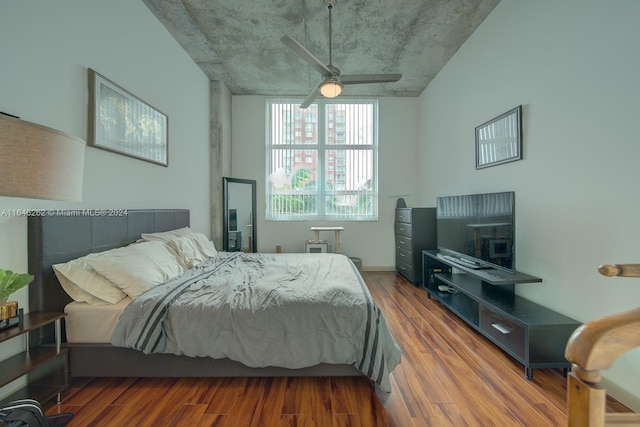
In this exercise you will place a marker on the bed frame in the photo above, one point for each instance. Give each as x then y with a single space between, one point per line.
72 234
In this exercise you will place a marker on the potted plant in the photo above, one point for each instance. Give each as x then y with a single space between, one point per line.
9 283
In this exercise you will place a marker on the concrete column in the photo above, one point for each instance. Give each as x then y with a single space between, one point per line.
220 153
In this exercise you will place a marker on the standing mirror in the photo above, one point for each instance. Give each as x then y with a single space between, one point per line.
239 208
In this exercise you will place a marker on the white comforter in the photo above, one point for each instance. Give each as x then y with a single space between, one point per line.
287 310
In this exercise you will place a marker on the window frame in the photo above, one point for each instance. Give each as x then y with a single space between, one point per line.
323 147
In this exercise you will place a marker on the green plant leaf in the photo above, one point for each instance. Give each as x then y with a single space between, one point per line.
11 282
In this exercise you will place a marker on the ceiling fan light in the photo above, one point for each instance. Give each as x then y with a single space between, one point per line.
331 88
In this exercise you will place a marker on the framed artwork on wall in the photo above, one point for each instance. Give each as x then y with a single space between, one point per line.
122 123
499 140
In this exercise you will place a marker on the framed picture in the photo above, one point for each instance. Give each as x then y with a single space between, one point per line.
500 139
123 123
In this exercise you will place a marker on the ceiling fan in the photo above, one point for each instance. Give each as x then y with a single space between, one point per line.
332 81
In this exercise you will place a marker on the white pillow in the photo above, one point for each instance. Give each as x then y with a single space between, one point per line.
138 267
193 248
205 245
165 236
84 284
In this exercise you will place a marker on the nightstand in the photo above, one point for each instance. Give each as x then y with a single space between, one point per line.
44 366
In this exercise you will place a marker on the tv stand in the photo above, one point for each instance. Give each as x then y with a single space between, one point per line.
485 299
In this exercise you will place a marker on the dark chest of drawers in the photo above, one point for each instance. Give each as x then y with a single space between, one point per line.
415 231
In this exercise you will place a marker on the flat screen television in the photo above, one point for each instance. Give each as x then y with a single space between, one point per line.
478 229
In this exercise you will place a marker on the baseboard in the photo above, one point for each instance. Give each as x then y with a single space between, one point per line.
628 399
379 268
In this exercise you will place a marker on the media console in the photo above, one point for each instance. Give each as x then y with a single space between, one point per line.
532 334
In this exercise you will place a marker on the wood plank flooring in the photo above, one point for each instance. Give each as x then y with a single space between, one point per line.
449 376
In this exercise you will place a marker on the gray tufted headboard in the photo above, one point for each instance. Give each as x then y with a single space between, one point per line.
63 235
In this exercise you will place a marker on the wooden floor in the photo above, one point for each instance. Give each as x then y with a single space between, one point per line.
449 376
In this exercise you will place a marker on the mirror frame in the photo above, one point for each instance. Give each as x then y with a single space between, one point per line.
225 210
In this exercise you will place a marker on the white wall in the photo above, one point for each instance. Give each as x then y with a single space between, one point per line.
45 51
45 54
574 66
373 241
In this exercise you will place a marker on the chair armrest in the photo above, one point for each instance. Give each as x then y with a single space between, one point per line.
595 345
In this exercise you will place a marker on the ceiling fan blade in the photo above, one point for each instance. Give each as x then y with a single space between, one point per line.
351 79
312 96
305 55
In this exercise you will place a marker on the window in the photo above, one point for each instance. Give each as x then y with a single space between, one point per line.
339 181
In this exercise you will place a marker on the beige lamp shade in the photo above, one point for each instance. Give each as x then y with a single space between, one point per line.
39 162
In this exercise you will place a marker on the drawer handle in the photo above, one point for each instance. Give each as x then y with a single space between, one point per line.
402 267
401 229
401 242
401 254
501 328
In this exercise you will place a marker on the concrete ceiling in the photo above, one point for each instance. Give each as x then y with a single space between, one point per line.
238 41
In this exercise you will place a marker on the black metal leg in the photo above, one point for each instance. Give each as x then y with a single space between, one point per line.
528 372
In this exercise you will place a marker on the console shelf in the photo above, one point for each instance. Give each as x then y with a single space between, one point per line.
532 334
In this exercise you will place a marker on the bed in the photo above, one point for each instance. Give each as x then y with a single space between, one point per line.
58 238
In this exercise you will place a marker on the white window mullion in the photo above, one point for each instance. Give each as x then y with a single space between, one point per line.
322 144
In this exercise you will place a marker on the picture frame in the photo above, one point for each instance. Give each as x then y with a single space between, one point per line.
499 140
122 123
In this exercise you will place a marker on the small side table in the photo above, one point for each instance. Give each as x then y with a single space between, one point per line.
317 230
45 366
